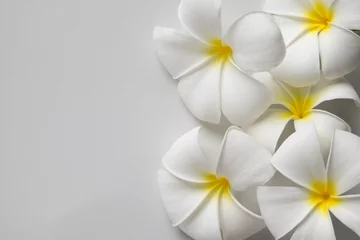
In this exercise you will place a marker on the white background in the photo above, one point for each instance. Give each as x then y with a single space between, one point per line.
87 112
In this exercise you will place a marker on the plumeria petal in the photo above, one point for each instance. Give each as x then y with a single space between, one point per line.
236 221
179 52
291 27
325 123
347 13
201 18
301 66
204 224
283 208
180 198
256 42
210 142
339 51
344 164
316 226
299 158
243 98
200 91
186 159
319 4
243 161
337 89
348 212
280 93
269 127
288 8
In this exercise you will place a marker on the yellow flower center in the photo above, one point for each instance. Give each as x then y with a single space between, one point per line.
220 51
319 17
323 196
217 183
298 106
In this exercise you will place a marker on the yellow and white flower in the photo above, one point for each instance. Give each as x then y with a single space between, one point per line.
211 67
306 208
202 172
300 106
318 37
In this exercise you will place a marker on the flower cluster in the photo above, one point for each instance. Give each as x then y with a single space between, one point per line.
268 70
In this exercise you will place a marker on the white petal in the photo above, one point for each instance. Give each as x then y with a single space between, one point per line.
327 3
348 212
210 142
204 224
180 198
179 52
291 27
200 92
299 158
316 226
269 127
301 66
257 42
288 8
325 123
347 13
280 93
201 18
243 161
243 98
236 221
283 208
339 51
336 89
344 164
186 159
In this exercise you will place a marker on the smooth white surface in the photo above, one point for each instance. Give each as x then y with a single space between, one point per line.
87 112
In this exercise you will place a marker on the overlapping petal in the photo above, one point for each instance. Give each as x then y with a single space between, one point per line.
256 42
283 208
243 161
326 124
186 160
344 164
179 52
288 7
349 212
180 198
291 27
307 164
336 89
269 127
280 94
316 226
301 66
236 221
347 13
204 224
201 18
243 98
339 51
200 91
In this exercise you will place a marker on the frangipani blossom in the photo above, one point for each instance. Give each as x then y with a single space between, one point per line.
318 37
202 171
320 190
300 106
211 67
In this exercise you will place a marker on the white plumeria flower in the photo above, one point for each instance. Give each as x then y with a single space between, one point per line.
319 190
318 38
212 67
202 171
300 106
